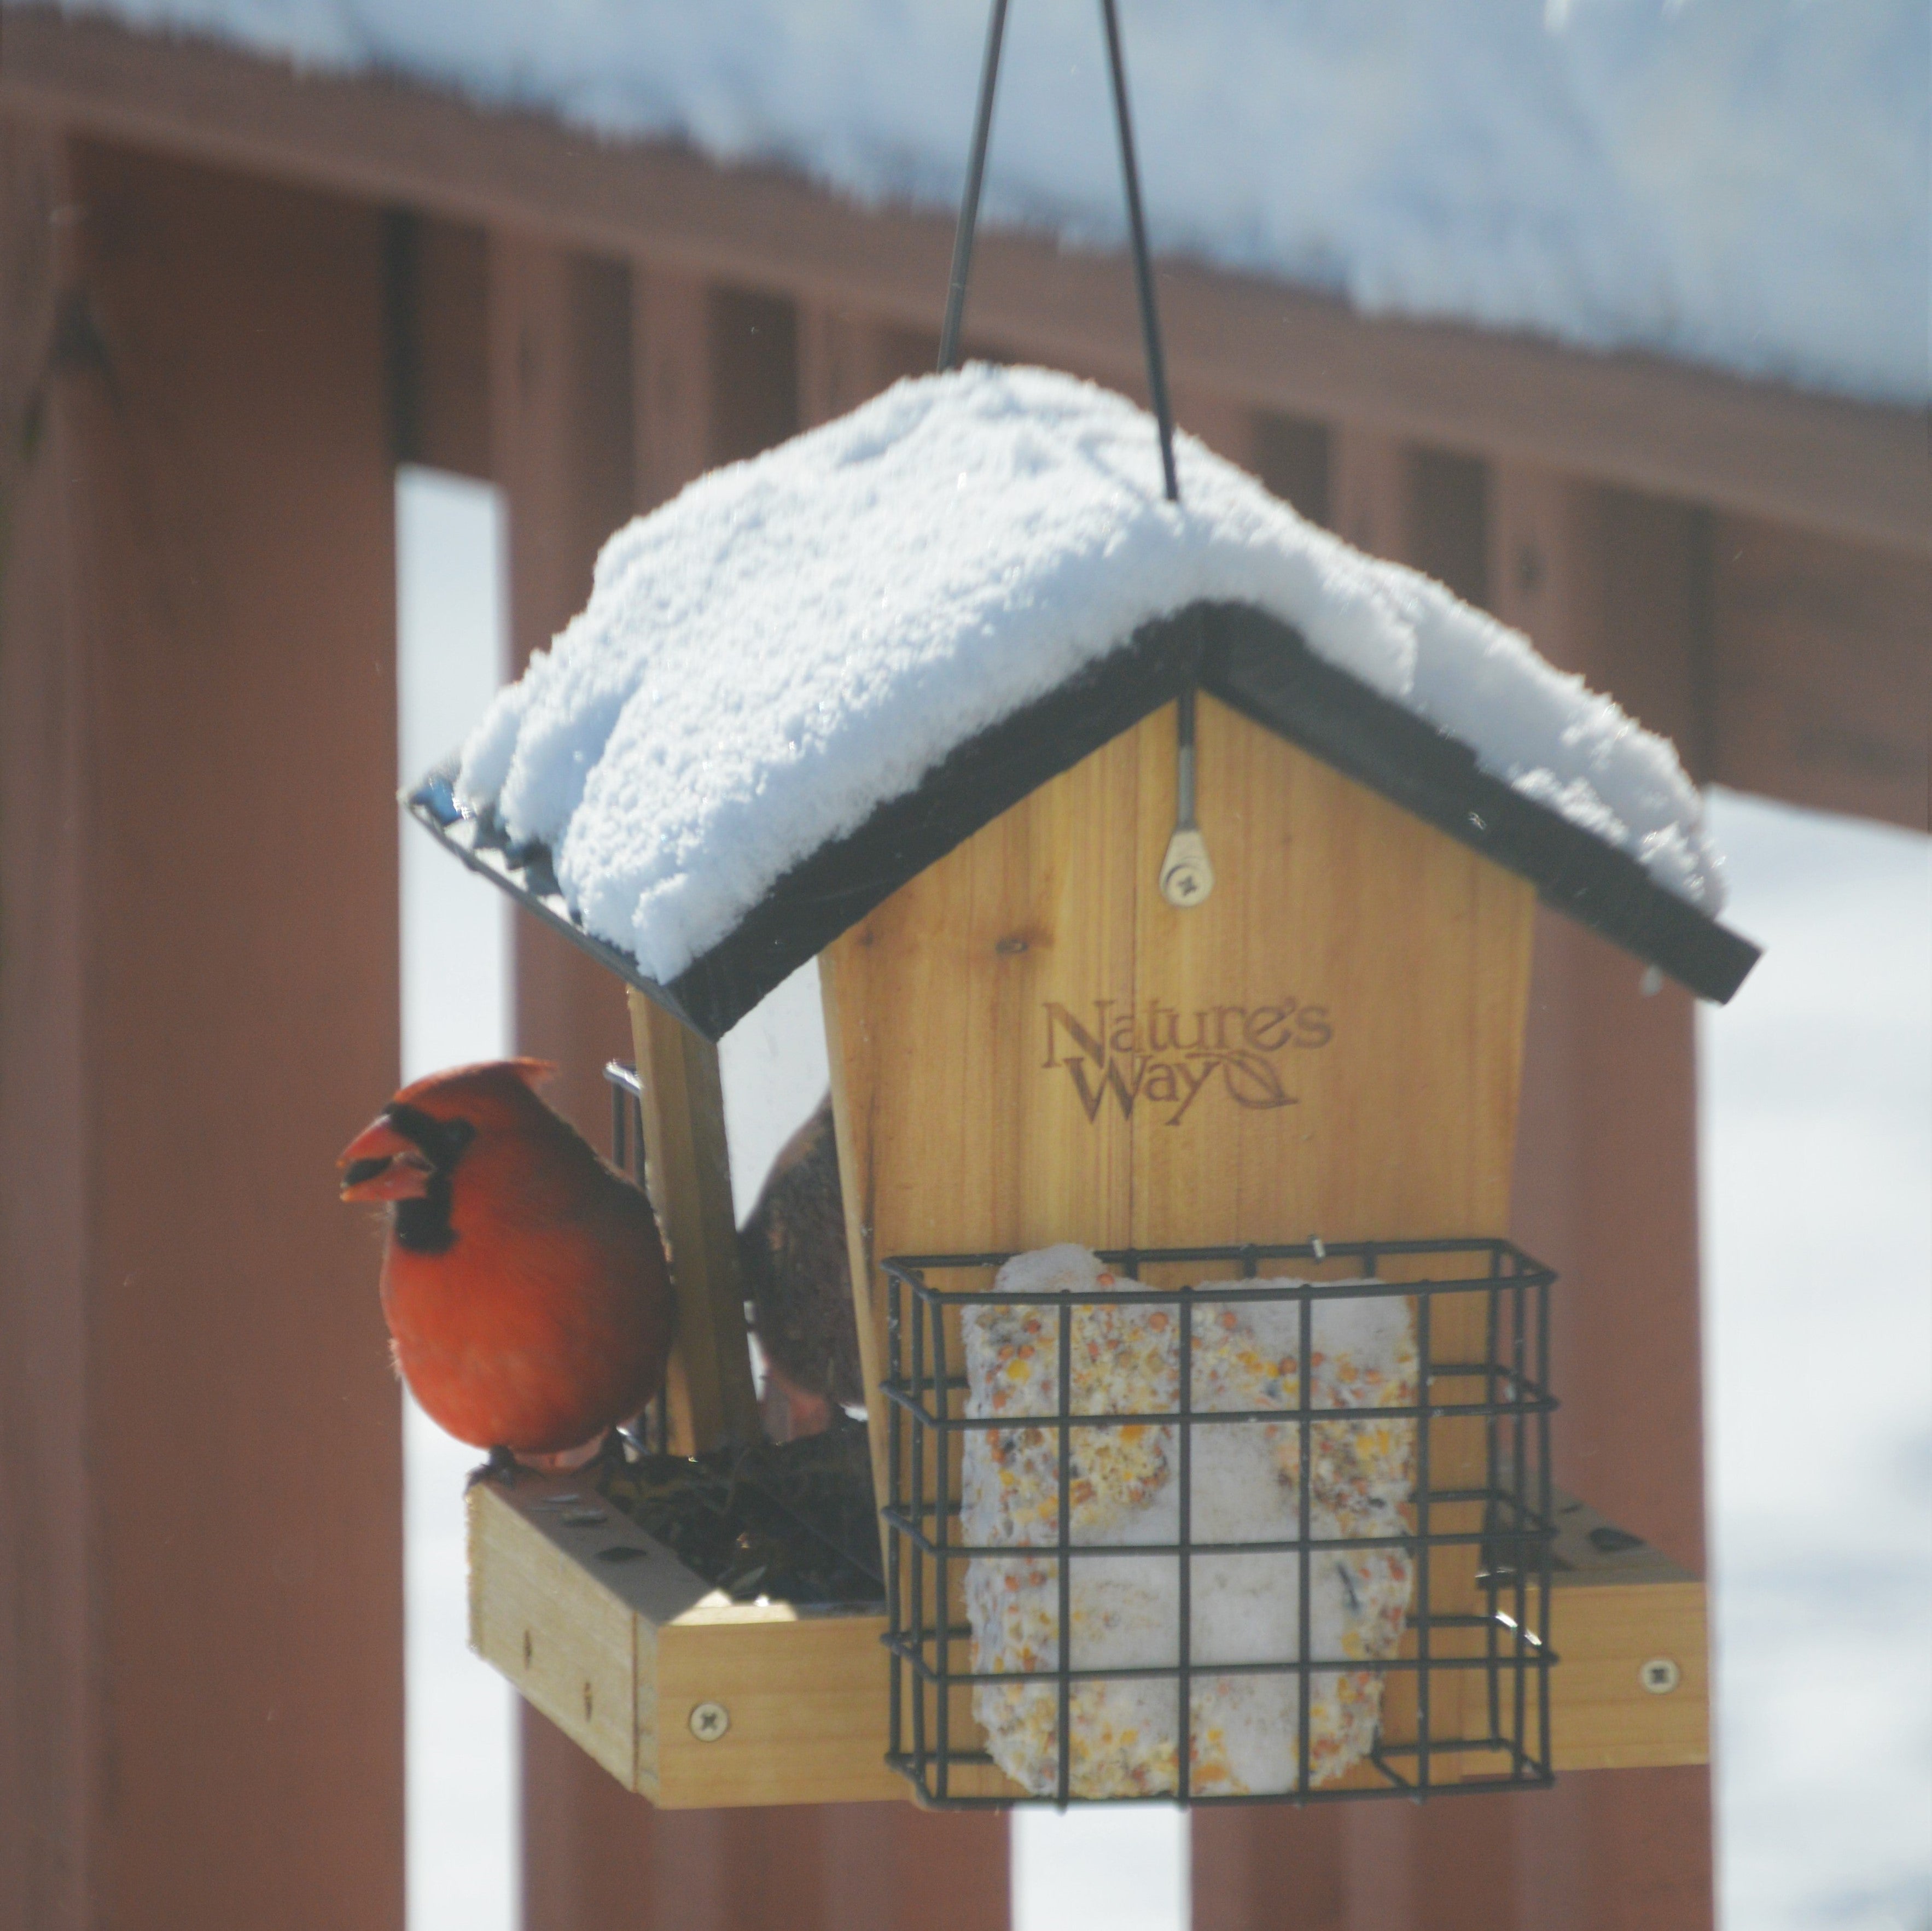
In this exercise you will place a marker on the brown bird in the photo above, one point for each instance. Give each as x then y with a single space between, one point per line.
524 1282
795 1268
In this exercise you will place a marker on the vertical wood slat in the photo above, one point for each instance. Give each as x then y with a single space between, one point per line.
50 1848
1372 496
559 410
845 359
199 1471
439 295
1821 671
1608 584
711 1400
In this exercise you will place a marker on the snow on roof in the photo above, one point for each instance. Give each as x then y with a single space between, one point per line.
798 640
1742 182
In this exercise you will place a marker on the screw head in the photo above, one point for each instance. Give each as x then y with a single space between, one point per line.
709 1721
1660 1676
1187 872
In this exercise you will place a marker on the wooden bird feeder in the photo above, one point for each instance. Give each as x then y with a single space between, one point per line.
1031 1044
1194 950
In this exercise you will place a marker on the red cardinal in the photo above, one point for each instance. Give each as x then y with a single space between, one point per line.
524 1281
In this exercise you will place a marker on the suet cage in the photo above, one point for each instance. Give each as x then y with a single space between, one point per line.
1460 1700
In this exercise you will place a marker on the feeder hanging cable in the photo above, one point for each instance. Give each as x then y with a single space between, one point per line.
1186 875
969 221
969 201
1157 365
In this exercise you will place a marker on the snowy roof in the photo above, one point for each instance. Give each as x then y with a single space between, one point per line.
1741 182
814 673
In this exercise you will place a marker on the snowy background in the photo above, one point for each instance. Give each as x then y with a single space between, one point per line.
1743 182
1817 1178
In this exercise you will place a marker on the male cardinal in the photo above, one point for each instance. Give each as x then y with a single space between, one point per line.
524 1281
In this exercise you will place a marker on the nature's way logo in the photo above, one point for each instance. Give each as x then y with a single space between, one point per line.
1157 1056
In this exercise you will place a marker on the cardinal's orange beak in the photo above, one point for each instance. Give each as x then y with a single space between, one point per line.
379 1164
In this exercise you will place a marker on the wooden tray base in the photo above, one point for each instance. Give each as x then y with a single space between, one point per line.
632 1657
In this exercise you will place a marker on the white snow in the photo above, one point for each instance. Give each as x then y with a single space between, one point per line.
1744 182
797 639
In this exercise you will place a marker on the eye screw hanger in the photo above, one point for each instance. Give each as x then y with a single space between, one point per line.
1187 872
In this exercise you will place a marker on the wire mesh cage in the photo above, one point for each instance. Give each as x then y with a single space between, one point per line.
1136 1550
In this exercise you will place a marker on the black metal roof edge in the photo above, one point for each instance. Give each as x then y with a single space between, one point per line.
1249 660
830 892
1261 667
525 872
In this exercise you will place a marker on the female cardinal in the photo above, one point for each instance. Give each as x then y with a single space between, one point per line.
797 1276
524 1281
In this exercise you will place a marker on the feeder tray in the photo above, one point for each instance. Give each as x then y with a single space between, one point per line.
633 1656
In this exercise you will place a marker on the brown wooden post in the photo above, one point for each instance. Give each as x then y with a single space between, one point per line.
1227 425
1293 456
844 359
1371 491
1820 682
559 419
200 1478
1610 585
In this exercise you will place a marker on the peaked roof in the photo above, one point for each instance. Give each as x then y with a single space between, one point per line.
816 673
1241 655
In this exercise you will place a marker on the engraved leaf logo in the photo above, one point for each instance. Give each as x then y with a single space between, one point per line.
1252 1082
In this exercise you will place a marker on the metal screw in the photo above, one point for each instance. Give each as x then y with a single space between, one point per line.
1660 1676
709 1721
1187 872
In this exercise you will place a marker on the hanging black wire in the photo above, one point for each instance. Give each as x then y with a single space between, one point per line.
1143 266
969 218
969 202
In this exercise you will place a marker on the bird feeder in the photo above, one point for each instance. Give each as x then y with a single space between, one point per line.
1170 870
1257 1105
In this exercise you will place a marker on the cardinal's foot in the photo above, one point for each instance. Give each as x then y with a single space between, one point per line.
502 1468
